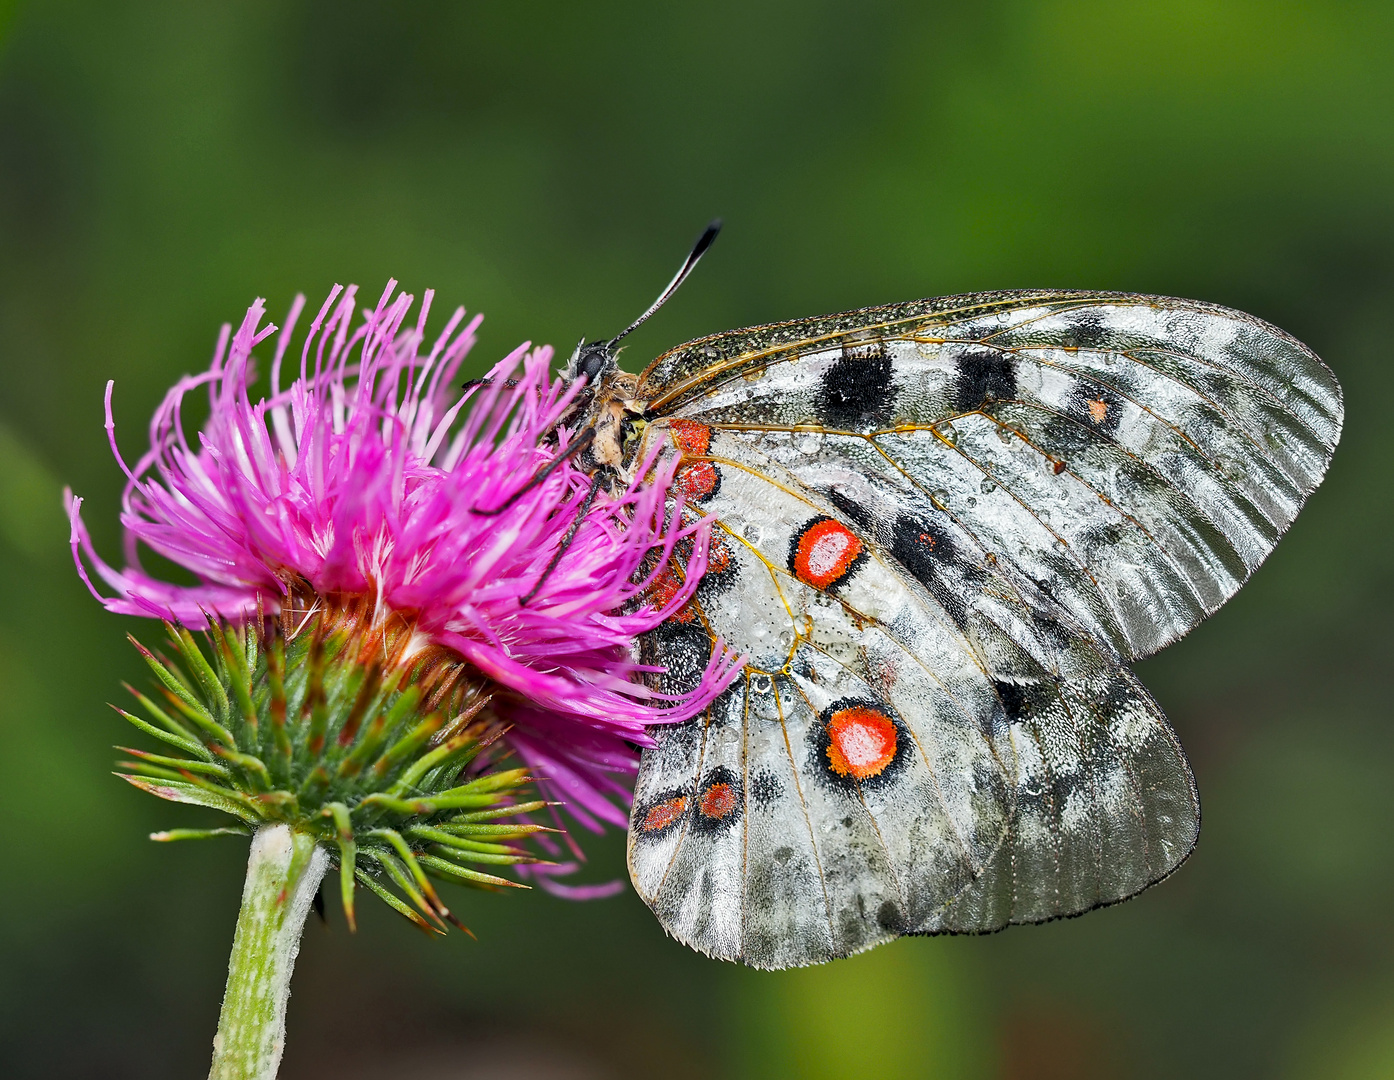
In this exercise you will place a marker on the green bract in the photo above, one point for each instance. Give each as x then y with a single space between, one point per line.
386 759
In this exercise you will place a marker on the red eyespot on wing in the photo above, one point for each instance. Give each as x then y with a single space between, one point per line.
692 438
718 556
824 552
717 802
697 481
662 591
861 742
665 586
664 814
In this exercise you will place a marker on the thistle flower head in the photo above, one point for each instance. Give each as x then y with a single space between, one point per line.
372 495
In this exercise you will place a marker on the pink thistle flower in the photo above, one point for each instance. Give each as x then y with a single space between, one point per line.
361 484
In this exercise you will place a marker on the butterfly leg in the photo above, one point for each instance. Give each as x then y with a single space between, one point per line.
582 441
597 481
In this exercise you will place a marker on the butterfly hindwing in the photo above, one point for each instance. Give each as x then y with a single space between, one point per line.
853 661
1106 806
839 852
941 530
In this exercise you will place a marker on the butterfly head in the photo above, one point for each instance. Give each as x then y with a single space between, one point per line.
608 404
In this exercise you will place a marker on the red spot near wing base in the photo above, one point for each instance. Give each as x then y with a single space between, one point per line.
697 481
861 742
664 814
662 591
824 553
718 556
717 802
671 578
692 438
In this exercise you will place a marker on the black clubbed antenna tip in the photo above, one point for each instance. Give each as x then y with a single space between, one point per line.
689 264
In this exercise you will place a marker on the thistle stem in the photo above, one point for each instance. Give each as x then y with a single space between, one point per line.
283 874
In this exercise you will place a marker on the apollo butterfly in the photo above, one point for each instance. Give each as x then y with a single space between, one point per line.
941 531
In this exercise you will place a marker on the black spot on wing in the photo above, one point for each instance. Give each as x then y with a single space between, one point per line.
766 788
682 649
1015 698
922 548
1014 706
1096 407
722 569
890 917
856 390
983 375
928 553
1084 330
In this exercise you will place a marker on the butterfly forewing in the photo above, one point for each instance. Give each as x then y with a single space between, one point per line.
1139 455
943 528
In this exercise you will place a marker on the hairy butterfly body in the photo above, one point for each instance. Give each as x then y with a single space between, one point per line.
942 530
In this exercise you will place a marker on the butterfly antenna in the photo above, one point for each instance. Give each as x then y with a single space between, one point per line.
689 264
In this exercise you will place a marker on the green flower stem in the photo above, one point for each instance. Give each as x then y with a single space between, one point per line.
283 875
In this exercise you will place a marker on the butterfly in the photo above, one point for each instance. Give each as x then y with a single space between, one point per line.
942 530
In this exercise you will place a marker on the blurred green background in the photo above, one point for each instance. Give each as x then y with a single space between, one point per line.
161 164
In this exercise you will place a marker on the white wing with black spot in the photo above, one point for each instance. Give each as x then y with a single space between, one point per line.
947 525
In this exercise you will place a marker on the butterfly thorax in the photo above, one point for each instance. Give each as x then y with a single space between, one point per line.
611 410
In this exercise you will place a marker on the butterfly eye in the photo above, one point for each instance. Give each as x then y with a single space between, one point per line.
592 361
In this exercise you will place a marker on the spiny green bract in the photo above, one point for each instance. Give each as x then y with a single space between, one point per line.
326 728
